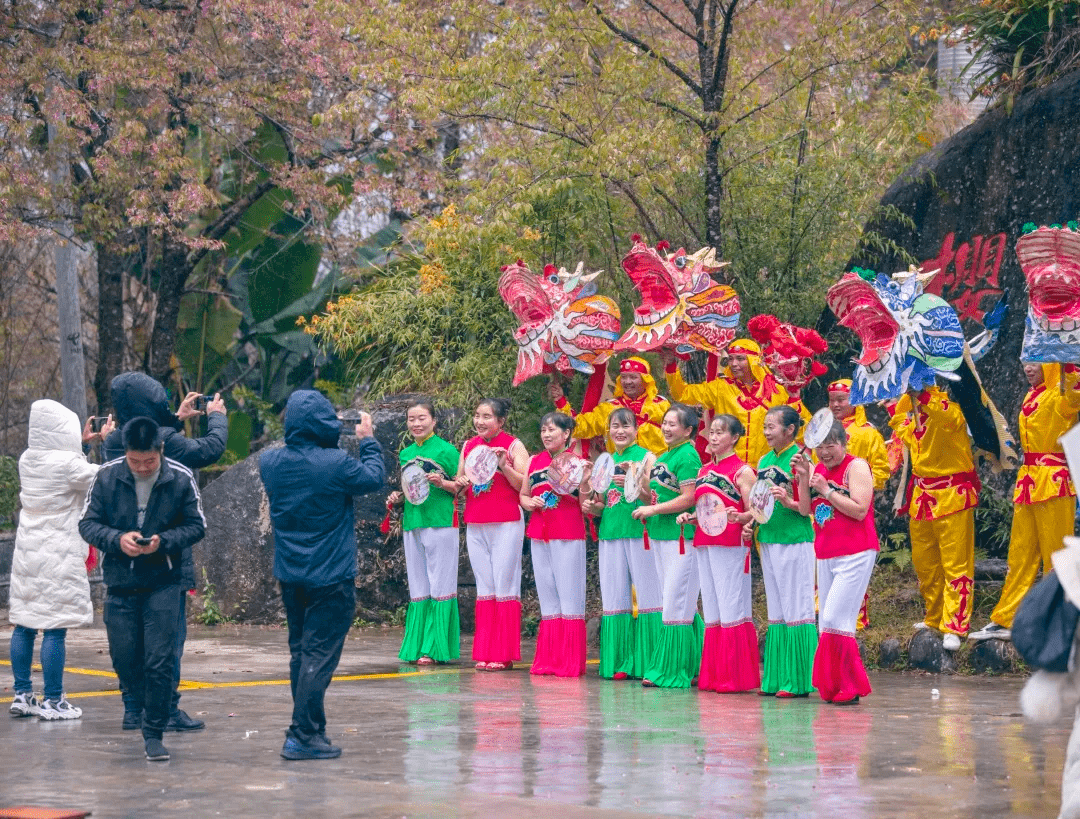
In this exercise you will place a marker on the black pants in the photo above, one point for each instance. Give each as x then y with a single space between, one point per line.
142 629
319 619
131 702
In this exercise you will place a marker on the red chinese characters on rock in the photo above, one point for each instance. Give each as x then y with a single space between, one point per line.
967 277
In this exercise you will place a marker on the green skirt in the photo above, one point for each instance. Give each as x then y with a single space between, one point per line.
675 657
432 629
616 645
789 658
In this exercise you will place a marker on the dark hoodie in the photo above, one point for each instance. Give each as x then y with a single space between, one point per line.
311 484
137 395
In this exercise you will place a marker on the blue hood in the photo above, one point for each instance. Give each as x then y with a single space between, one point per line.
310 419
139 395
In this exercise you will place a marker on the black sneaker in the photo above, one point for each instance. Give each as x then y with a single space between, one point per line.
155 751
132 720
180 721
316 749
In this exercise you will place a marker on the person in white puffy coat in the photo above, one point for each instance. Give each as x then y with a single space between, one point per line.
49 589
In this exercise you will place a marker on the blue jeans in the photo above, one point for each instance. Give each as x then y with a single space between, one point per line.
52 660
132 703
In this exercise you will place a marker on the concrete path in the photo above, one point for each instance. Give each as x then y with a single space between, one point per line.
453 742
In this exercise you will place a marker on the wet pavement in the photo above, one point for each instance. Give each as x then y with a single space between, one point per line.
453 742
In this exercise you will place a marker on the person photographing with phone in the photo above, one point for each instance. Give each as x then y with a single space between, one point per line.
144 512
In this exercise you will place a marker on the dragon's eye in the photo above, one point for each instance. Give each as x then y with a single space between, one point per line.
680 262
553 278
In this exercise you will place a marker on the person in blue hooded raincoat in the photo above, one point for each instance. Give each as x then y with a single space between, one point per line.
310 483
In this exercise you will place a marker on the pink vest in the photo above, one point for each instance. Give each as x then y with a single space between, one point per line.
560 522
836 534
721 479
498 503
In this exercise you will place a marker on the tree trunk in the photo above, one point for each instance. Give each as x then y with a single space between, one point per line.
112 339
171 282
714 194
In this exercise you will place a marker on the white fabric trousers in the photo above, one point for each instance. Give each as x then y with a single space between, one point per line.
724 572
559 568
431 559
679 580
495 555
842 583
624 561
788 569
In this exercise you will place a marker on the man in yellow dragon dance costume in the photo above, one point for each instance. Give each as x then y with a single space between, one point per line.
944 491
747 390
1044 499
636 390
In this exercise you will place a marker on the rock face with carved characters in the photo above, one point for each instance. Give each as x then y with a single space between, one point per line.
968 201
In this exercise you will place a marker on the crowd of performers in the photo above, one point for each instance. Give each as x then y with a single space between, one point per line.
795 487
817 549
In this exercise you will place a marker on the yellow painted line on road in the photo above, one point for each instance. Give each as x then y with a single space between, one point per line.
93 672
197 685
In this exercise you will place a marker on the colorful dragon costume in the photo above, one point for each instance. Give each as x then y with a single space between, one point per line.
789 353
681 306
1050 259
564 325
908 336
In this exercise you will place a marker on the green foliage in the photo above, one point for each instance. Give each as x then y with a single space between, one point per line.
896 550
1027 43
210 613
993 523
263 411
9 491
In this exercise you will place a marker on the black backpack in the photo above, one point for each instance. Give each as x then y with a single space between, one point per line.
1045 626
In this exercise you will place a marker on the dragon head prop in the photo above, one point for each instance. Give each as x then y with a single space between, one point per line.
908 336
789 351
564 324
681 306
1050 259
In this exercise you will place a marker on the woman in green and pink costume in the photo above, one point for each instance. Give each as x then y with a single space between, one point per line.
787 563
429 529
677 654
626 642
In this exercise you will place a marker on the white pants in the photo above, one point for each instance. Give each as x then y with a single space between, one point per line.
842 583
431 559
788 569
679 580
495 555
624 561
724 572
559 568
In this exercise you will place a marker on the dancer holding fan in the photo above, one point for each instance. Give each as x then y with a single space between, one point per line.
556 532
626 644
675 659
786 537
729 657
429 529
492 467
846 544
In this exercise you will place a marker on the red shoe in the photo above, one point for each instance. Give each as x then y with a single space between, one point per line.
853 701
619 675
648 684
481 666
787 695
499 666
425 661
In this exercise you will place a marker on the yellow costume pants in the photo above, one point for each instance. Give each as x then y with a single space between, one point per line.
1037 531
943 554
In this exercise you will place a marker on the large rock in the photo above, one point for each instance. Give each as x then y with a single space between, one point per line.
925 651
995 657
964 204
889 653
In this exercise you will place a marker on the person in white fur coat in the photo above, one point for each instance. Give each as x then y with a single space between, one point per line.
49 589
1048 696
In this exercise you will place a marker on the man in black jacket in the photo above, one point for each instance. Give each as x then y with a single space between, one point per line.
310 484
137 395
144 513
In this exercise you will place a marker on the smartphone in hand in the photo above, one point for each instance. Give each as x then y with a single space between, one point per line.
201 402
97 422
143 541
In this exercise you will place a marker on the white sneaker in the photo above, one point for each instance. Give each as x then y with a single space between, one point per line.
920 626
992 632
58 709
950 642
24 705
